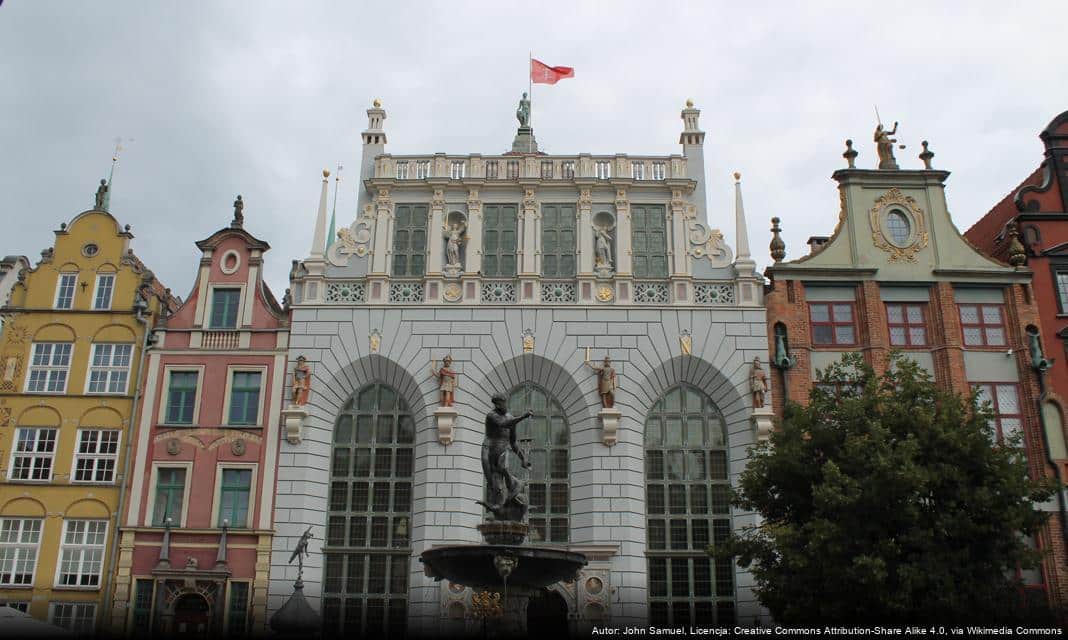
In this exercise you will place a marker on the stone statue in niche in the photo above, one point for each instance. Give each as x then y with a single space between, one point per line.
454 236
301 381
446 380
884 146
602 247
606 381
758 383
505 494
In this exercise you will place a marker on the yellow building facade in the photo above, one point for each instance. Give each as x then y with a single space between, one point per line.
75 329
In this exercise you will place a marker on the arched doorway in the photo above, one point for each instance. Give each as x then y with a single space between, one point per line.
366 551
688 507
192 616
547 615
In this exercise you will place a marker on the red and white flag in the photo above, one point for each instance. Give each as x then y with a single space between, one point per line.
541 73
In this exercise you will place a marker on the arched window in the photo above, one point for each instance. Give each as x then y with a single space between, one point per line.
550 468
688 507
365 582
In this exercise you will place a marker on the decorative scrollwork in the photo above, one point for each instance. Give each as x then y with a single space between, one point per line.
342 292
708 243
558 292
895 200
650 292
718 293
498 291
406 292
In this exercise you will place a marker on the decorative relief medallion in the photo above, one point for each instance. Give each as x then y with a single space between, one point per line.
605 293
686 342
585 197
375 340
898 226
453 292
237 447
528 341
346 292
17 334
174 446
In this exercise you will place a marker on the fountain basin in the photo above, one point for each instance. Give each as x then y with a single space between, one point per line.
473 566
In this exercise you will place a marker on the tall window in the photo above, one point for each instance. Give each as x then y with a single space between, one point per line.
237 616
832 323
181 397
142 607
105 286
1061 278
109 368
78 617
65 290
688 506
82 553
234 497
492 166
457 169
603 169
96 455
48 368
648 241
558 241
983 325
402 170
170 494
908 325
546 434
365 583
224 304
1004 399
499 240
19 541
422 169
34 453
637 170
245 398
658 171
409 240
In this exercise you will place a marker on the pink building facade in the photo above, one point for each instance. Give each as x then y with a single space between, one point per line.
195 545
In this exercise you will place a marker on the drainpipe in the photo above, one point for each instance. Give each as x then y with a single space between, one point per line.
113 559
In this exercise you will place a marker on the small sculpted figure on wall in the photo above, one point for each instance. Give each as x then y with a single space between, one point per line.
301 381
446 380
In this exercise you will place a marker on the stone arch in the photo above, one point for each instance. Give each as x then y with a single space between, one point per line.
106 267
39 416
101 417
69 267
329 394
114 333
54 333
539 370
24 506
87 508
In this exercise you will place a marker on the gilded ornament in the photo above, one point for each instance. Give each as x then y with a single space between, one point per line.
453 292
375 340
686 342
528 341
918 231
604 293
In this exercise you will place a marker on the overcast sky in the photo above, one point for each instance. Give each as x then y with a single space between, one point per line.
258 97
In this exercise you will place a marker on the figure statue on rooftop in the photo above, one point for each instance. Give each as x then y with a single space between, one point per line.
239 215
884 145
101 195
505 494
523 112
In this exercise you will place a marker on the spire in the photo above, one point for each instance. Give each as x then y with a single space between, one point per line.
332 234
105 203
319 237
742 234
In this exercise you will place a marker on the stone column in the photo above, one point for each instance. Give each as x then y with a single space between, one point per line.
623 260
436 247
584 231
473 252
678 243
383 233
527 217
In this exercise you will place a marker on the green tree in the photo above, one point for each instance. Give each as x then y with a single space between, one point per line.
887 501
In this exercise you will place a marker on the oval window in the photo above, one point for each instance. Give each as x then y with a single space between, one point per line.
898 228
90 250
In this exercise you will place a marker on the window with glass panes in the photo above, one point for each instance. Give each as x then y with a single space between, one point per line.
65 290
547 447
245 398
224 303
19 541
236 484
688 507
558 240
237 615
48 367
181 397
82 553
96 455
409 240
105 286
648 241
1004 399
35 450
142 606
170 494
78 617
907 323
1061 281
499 240
983 325
109 368
832 323
365 583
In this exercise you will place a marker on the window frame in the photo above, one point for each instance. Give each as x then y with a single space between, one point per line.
231 372
833 323
908 325
561 211
81 549
238 314
77 630
179 522
49 369
983 326
227 614
165 400
34 547
109 370
412 231
33 454
649 254
1060 269
995 405
501 209
216 503
95 457
63 275
111 278
548 517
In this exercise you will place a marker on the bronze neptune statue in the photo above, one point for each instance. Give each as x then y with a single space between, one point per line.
505 494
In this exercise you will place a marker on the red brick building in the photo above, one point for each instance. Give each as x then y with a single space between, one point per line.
196 536
1032 223
897 274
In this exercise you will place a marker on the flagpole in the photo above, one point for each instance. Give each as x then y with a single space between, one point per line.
530 96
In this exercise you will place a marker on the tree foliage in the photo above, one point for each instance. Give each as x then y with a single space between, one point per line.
887 501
